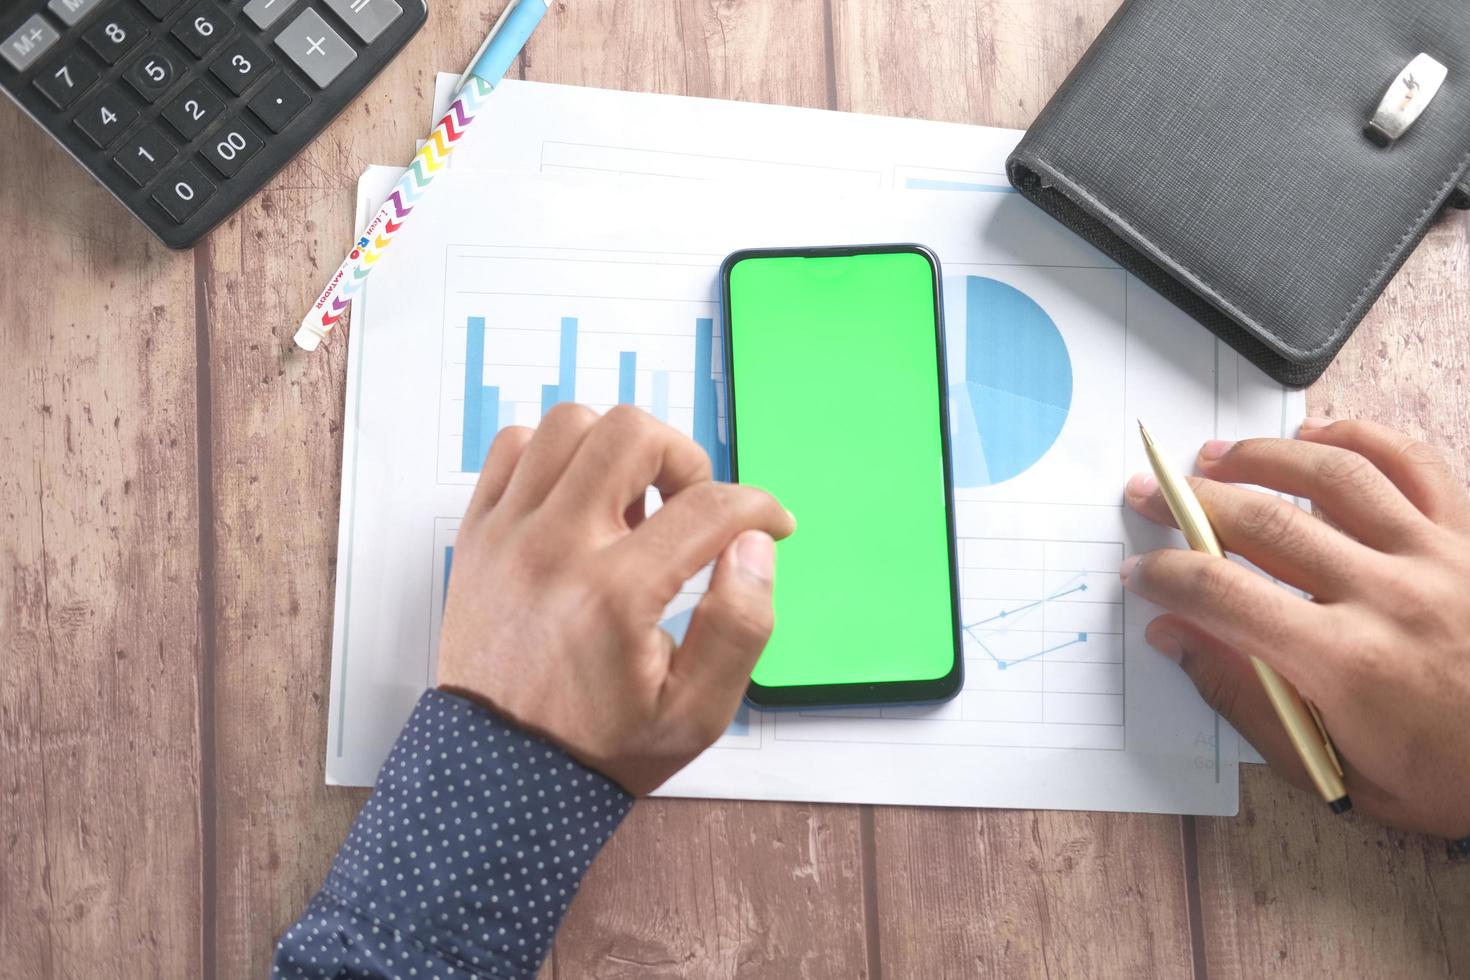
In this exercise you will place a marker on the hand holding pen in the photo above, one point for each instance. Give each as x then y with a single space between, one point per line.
1383 649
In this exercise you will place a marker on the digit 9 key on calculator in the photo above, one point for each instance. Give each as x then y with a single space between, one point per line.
183 109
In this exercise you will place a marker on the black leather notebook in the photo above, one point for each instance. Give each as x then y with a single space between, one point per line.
1228 155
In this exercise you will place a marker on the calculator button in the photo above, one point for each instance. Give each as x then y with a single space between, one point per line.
230 148
278 103
160 8
146 153
183 192
115 35
153 73
240 65
316 48
201 28
64 81
106 117
71 12
263 13
194 110
367 18
33 39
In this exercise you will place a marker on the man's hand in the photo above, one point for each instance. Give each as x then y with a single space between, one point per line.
559 584
1383 651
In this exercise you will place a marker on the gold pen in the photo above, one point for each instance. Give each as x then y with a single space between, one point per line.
1303 723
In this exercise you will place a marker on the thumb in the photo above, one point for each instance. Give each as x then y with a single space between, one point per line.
1228 683
728 630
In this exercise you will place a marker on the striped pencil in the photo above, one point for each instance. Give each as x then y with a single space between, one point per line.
506 39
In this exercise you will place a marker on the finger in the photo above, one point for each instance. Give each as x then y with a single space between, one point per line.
625 453
1228 683
1247 612
1276 536
1351 491
689 531
1419 470
500 463
637 512
727 633
545 458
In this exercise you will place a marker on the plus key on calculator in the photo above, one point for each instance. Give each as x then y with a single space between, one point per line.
183 109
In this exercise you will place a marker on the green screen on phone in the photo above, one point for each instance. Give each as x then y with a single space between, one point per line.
835 372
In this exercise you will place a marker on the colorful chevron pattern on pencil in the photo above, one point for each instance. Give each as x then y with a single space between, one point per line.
427 164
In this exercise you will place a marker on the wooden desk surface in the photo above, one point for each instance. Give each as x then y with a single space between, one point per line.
168 484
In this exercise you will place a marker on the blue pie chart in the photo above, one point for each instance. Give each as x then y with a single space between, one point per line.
1014 388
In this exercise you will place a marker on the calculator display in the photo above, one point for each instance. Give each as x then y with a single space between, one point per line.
183 109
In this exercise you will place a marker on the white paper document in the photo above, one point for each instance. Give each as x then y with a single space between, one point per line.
514 291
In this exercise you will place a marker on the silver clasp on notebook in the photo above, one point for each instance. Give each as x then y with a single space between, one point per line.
1406 100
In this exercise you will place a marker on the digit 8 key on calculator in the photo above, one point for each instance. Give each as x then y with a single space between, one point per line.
183 109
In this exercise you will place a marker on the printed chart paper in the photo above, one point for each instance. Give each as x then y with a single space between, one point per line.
518 291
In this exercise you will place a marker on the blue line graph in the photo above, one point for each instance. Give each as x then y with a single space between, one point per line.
1003 664
1030 605
1002 622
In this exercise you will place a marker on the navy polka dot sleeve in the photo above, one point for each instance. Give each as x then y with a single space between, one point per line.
464 859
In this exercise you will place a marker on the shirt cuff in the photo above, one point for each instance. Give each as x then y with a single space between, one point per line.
475 838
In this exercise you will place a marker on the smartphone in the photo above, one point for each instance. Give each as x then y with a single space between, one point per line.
836 404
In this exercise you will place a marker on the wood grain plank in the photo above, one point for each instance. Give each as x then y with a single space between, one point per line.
1005 893
277 452
1287 890
689 888
722 49
1000 893
99 773
699 888
971 61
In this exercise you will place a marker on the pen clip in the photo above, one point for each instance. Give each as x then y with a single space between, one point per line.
1326 739
486 44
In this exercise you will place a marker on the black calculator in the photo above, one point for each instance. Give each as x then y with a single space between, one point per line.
183 109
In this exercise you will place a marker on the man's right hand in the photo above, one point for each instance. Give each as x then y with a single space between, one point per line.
1383 651
560 581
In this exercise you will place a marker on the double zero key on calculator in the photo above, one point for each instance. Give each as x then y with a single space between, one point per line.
185 108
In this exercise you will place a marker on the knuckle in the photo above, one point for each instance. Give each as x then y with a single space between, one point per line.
752 503
1266 518
704 470
1343 469
742 625
710 499
1216 582
569 415
512 436
1421 455
628 418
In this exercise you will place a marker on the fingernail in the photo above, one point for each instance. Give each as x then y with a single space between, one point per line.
792 518
1142 485
1314 423
1167 644
1214 449
755 553
1129 563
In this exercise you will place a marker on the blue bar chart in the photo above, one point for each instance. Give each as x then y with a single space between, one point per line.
485 408
627 377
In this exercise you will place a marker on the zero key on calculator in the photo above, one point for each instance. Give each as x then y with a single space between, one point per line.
183 109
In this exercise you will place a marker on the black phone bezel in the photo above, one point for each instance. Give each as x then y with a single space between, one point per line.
888 693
